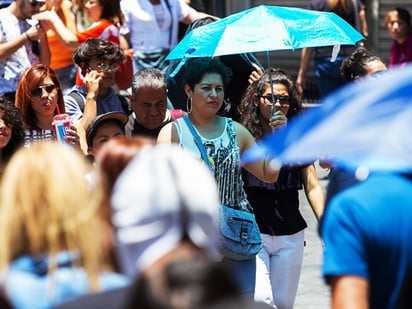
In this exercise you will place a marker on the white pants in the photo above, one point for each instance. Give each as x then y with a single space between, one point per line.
278 267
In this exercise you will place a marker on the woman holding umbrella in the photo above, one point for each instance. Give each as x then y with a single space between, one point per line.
276 205
225 140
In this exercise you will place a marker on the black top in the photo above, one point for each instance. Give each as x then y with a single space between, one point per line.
276 205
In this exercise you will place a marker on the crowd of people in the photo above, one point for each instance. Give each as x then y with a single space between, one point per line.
125 212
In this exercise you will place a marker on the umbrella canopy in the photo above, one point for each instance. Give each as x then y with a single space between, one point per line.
367 123
266 28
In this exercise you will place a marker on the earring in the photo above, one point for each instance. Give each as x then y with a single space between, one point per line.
189 105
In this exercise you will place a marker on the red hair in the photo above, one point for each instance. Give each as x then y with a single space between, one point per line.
30 79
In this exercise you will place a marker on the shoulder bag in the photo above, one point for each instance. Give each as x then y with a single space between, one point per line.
240 236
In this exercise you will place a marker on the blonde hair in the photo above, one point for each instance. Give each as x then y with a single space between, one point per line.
45 208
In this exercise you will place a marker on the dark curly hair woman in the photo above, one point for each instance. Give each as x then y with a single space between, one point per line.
276 205
11 130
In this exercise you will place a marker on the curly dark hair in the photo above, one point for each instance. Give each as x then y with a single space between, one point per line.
249 113
100 49
196 68
356 64
13 119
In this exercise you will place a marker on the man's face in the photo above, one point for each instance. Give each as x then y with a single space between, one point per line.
150 106
30 7
105 70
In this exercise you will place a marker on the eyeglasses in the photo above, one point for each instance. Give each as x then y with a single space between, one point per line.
270 100
36 93
35 3
105 67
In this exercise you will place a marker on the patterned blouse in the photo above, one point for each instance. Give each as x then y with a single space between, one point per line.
38 136
224 152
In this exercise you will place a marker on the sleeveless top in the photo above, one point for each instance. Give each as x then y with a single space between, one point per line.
224 153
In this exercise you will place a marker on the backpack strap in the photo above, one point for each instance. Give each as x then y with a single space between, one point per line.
125 104
81 101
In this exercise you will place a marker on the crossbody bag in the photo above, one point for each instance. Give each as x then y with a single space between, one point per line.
240 236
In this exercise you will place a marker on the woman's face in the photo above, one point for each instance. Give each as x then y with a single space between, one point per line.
398 28
208 94
44 98
5 132
94 9
280 98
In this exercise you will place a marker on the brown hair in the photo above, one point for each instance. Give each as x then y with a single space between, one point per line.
111 160
112 11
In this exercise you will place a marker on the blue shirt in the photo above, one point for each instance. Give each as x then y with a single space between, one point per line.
367 232
110 103
29 286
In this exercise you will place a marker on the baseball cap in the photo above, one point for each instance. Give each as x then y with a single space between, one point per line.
163 194
91 130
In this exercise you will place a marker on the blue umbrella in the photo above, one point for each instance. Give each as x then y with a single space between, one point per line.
266 28
367 123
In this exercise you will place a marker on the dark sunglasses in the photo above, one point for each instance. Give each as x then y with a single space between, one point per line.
36 93
283 100
35 3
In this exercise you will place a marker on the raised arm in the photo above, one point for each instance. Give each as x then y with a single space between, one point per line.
66 36
261 169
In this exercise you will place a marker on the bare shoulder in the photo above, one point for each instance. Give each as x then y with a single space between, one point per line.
244 137
168 134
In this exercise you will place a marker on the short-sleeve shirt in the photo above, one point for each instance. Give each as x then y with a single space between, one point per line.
401 54
145 33
110 103
103 29
10 69
367 232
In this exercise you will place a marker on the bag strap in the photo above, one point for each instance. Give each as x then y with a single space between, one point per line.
124 101
80 100
198 141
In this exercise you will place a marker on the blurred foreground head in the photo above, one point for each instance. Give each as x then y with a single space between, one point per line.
45 209
164 197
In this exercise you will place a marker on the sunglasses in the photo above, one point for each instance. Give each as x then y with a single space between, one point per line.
36 93
35 3
104 67
283 100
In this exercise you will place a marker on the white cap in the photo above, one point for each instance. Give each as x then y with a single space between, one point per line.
148 200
